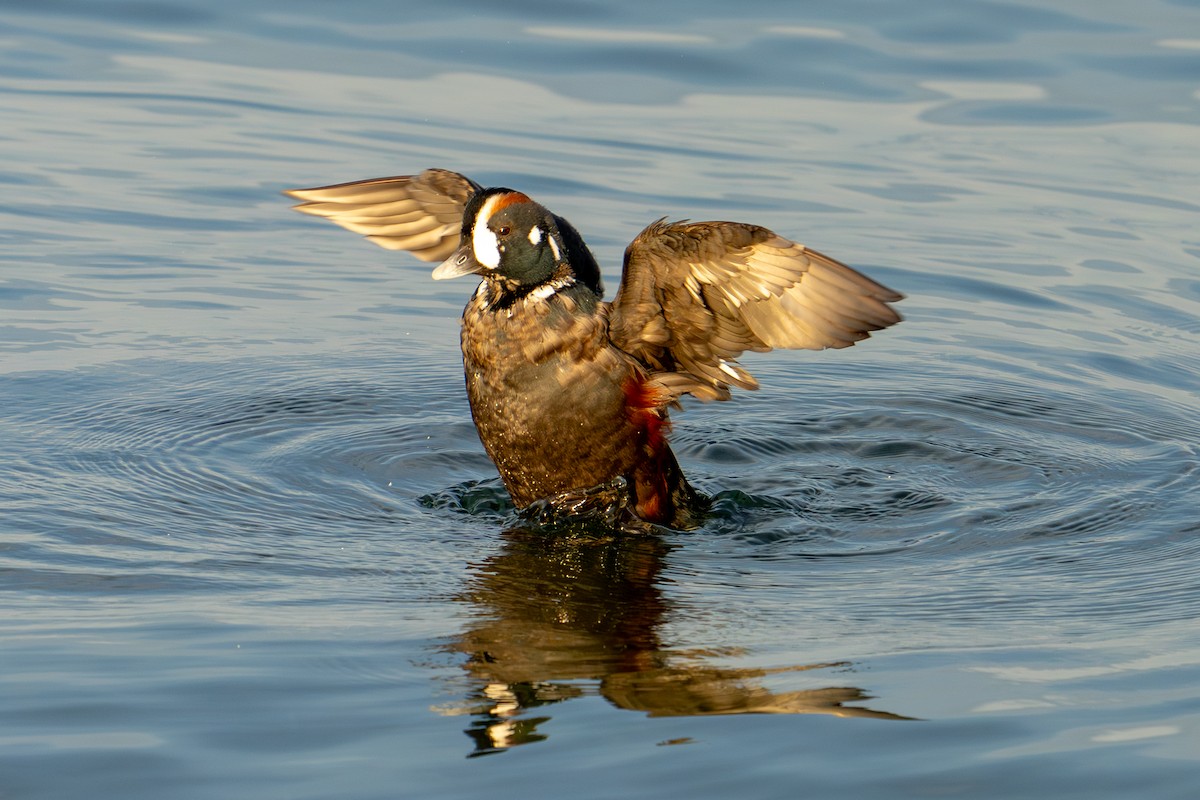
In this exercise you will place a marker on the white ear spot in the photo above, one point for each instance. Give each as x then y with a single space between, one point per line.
554 249
483 241
535 235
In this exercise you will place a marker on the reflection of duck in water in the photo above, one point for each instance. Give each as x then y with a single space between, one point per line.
559 614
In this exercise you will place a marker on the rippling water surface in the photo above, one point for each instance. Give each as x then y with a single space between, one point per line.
251 546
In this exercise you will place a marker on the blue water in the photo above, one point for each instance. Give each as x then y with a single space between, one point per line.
251 547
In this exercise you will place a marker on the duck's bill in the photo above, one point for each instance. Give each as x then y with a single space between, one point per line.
461 262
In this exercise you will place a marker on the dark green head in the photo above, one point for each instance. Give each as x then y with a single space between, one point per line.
511 240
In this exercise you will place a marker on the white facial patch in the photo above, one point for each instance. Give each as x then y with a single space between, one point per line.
535 235
554 249
483 241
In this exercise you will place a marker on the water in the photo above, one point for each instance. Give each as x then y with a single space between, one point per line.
250 545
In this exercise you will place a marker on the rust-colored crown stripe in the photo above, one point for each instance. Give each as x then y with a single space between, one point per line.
509 199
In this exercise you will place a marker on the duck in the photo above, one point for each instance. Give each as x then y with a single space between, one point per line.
571 394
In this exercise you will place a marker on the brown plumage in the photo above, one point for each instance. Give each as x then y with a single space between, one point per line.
422 214
568 392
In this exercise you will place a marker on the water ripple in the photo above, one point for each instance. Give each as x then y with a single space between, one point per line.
174 480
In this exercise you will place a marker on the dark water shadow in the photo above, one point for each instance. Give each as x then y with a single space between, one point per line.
558 616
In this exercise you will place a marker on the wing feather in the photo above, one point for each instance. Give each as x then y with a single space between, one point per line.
422 214
695 296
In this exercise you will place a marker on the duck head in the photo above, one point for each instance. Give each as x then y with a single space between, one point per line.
517 244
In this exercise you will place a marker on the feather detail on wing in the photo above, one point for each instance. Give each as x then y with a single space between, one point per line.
422 214
695 296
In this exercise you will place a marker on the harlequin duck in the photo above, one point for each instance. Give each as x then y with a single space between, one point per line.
569 392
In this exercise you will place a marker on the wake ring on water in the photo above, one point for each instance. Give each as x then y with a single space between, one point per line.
975 471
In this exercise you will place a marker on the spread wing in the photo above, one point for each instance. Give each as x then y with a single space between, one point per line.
422 214
695 296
